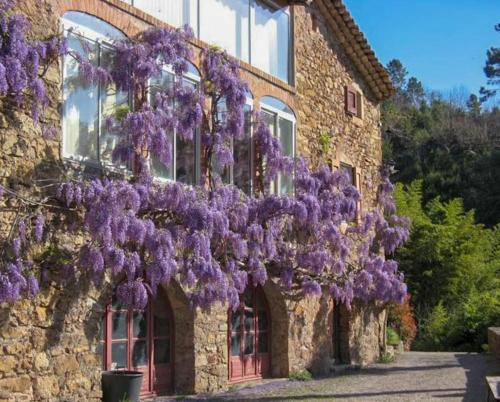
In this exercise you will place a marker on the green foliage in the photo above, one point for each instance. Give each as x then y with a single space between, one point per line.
492 71
303 375
325 140
392 337
451 145
386 358
452 267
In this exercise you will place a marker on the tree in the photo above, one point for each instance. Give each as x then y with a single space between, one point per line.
211 237
452 267
492 71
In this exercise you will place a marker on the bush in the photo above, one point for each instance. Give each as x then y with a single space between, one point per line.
402 320
392 337
386 358
303 375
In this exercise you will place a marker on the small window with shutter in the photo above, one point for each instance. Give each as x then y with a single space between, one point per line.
352 101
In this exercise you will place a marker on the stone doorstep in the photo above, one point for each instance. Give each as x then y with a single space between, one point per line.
493 384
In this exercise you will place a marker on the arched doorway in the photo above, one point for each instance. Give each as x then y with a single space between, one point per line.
141 340
249 337
340 334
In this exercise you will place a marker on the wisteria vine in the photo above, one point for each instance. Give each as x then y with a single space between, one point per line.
211 237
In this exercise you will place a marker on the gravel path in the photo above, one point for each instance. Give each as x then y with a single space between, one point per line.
415 376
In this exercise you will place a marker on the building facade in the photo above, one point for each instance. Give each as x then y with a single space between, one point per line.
318 83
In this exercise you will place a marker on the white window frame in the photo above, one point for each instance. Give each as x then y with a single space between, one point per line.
276 184
195 79
101 40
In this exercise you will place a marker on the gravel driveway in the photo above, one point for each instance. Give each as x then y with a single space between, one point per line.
415 376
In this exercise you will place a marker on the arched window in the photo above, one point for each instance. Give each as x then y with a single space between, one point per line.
281 121
141 340
250 337
86 106
185 166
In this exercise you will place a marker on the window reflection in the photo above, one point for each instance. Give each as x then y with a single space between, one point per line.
233 34
270 40
87 105
251 30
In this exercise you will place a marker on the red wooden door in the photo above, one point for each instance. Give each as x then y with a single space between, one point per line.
142 341
249 337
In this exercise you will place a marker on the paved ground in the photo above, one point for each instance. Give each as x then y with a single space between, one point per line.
415 376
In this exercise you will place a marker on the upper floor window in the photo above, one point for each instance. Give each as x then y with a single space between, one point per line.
255 31
281 121
86 105
353 101
185 165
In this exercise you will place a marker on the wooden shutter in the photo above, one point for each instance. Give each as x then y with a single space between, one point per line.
351 100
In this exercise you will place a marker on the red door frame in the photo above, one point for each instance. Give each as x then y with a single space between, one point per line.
259 357
147 388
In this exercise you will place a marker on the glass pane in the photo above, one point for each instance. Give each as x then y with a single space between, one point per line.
276 104
235 344
111 101
286 140
140 329
225 23
161 318
140 354
249 321
248 344
270 119
185 161
119 325
158 84
270 40
262 320
262 340
80 108
119 355
236 321
162 351
242 156
161 83
174 12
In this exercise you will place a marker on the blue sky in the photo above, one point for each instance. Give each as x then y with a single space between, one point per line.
441 42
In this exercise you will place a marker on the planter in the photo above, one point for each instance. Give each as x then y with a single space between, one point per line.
118 386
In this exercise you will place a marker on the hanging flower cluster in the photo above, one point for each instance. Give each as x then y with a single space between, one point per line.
23 63
212 238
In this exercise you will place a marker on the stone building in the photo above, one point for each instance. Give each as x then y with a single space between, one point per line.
313 74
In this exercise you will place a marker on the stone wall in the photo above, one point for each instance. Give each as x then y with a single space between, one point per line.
50 346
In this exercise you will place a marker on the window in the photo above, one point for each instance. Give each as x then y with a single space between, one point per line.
281 122
352 101
240 173
354 180
140 340
270 40
255 31
86 106
175 12
186 160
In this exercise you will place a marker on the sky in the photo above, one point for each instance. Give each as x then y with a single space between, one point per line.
441 42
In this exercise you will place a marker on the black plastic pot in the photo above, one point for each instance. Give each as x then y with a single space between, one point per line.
118 386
